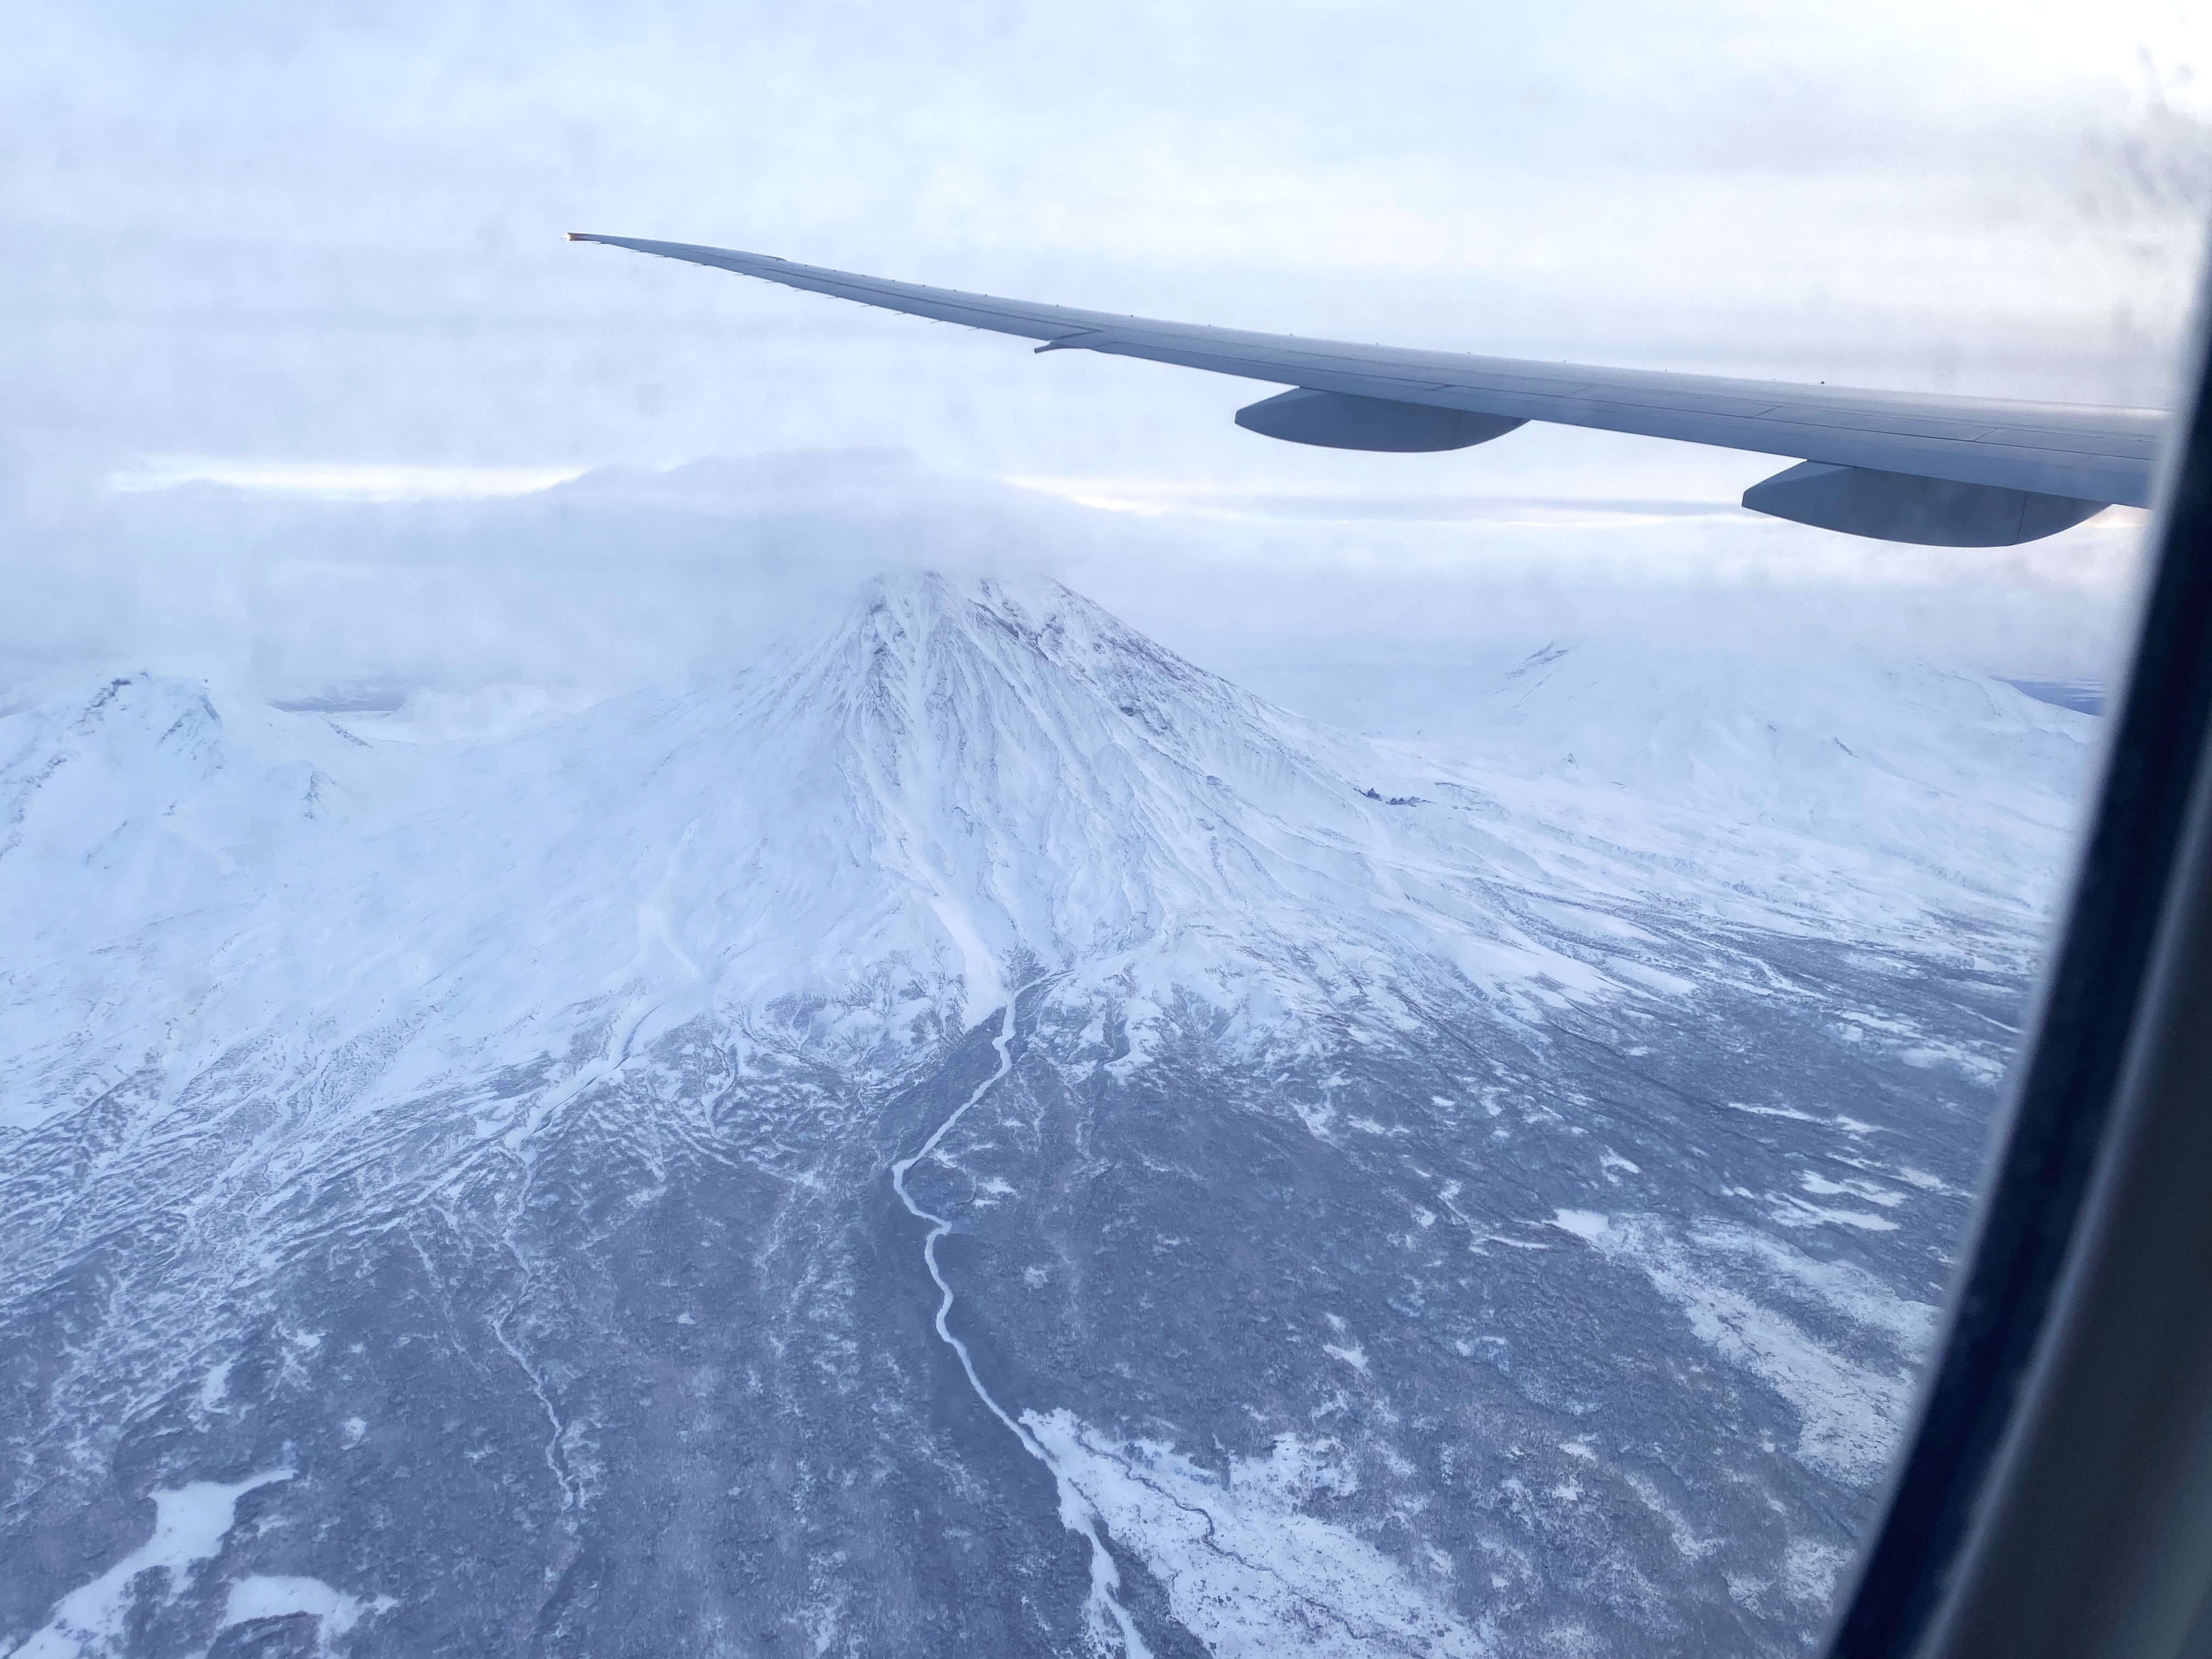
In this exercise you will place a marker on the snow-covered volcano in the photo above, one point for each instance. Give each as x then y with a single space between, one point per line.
959 780
1382 1198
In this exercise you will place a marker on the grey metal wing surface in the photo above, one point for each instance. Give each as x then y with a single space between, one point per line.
1915 467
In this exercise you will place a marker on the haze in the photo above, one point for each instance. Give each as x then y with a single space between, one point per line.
314 257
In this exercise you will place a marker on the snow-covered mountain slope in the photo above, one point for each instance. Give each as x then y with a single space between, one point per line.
957 780
1958 775
1944 781
896 1134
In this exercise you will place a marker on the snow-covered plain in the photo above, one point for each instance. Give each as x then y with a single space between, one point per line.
1471 1193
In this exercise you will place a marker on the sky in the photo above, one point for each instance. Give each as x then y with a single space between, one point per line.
298 360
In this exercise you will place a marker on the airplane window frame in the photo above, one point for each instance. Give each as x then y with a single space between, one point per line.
2056 1495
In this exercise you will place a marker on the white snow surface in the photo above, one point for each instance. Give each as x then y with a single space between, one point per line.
189 1525
1248 1569
1953 774
849 845
272 1596
1849 1414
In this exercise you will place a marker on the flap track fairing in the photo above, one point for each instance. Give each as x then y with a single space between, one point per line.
1903 507
1337 420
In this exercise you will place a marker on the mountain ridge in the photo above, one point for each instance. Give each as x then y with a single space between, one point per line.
633 1173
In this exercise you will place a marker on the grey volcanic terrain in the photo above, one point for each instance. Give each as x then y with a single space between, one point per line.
977 1136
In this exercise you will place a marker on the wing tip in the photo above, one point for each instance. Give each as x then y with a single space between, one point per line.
680 250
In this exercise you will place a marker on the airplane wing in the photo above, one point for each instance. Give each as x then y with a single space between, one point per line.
1914 467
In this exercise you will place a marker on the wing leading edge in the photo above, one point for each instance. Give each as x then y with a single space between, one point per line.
1915 467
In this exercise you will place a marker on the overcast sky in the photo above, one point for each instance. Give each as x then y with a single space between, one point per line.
315 251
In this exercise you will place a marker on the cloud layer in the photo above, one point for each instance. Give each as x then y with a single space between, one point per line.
312 252
629 576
